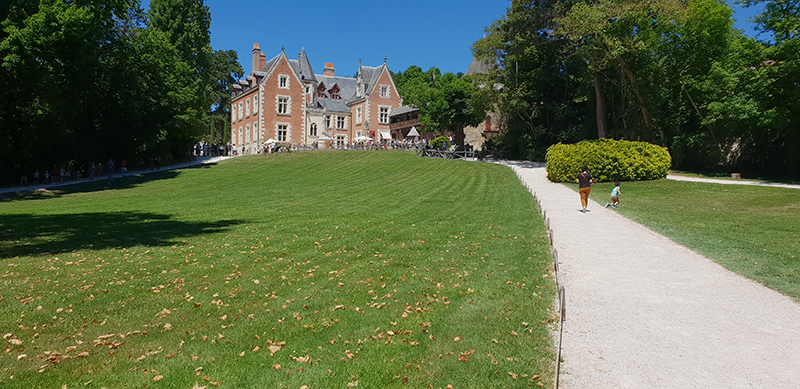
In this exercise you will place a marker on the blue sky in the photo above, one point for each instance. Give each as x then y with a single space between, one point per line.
410 32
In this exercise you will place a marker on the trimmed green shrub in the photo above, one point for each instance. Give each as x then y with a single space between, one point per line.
608 160
439 142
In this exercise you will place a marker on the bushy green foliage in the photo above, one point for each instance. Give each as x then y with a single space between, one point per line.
439 142
608 160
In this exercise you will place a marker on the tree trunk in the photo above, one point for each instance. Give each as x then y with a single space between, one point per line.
600 109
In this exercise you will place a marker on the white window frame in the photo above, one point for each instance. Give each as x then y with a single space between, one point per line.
327 121
381 119
255 132
283 81
240 137
247 107
340 123
359 115
287 107
385 91
312 131
255 104
241 110
282 127
233 113
247 137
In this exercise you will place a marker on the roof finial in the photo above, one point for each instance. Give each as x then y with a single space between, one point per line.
384 60
282 49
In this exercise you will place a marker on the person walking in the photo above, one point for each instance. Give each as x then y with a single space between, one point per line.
584 181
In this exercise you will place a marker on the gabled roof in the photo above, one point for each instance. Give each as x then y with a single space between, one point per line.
370 75
302 66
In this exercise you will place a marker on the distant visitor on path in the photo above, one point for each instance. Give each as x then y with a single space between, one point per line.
614 196
584 186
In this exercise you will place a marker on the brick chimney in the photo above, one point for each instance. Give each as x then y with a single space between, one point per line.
256 57
328 70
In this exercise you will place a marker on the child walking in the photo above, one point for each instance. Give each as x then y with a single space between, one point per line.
614 196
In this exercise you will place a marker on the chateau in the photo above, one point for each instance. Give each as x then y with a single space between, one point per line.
282 99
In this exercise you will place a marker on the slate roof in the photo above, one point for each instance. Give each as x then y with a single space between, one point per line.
478 67
347 86
371 75
403 109
302 66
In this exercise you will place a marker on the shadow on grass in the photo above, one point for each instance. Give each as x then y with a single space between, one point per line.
26 234
99 184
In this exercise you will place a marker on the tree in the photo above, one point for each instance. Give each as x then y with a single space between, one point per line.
541 97
185 23
451 106
225 71
446 102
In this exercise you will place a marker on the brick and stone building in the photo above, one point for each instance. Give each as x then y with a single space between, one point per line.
282 99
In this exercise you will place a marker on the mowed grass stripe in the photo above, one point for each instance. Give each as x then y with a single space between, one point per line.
376 267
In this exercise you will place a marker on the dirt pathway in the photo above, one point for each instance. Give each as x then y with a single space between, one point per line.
645 312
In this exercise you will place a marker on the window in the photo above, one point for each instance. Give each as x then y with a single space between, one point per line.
383 115
282 132
335 92
255 132
233 113
327 121
283 82
240 136
283 105
321 91
247 107
358 115
313 130
247 134
340 141
385 91
340 122
255 103
241 111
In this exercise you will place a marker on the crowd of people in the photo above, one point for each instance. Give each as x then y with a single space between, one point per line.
204 149
71 171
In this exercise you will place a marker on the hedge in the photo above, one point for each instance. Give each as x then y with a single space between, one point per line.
608 160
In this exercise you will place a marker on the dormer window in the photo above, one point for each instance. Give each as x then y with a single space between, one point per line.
335 92
283 82
385 91
321 91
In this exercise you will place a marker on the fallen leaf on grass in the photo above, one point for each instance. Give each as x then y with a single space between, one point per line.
302 359
352 384
513 333
513 375
276 366
158 377
196 386
457 339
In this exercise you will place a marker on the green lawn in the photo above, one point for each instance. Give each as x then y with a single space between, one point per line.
317 269
754 231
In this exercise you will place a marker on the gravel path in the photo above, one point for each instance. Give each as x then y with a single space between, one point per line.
645 312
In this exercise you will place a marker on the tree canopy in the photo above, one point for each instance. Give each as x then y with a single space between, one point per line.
671 72
87 81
